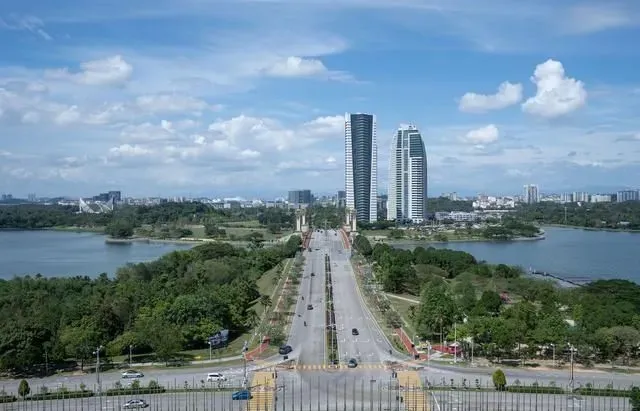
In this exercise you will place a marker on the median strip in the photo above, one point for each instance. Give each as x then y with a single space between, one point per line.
330 316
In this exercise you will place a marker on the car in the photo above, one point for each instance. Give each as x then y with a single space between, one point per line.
309 307
132 374
285 349
352 363
313 274
354 331
215 377
241 395
135 404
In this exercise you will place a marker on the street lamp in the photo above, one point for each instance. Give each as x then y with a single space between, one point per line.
97 354
130 356
245 348
553 346
572 349
210 352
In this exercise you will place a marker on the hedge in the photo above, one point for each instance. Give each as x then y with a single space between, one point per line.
134 391
7 398
535 390
603 392
60 395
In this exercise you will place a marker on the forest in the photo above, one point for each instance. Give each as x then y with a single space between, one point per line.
500 308
616 216
164 306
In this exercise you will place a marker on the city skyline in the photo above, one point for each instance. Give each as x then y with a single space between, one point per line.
237 100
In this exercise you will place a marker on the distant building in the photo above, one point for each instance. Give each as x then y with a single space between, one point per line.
407 177
627 195
361 165
531 195
342 198
300 197
115 196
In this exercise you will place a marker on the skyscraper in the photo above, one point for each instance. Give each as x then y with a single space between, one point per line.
361 165
407 177
531 194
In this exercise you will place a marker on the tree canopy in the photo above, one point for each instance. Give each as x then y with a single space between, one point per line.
164 306
625 215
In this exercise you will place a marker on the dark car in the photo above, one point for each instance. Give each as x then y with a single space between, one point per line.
352 363
309 307
313 274
285 349
354 331
241 395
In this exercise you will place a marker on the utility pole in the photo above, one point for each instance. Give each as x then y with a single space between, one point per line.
571 349
245 348
455 343
130 352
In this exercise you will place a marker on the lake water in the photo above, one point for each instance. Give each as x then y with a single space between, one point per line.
565 251
55 253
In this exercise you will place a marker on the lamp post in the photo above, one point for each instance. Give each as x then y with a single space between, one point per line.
210 351
553 346
130 356
245 348
97 354
571 351
455 343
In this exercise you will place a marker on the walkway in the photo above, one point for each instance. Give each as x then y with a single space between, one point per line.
412 391
263 388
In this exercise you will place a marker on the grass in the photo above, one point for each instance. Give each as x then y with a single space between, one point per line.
376 233
403 308
246 224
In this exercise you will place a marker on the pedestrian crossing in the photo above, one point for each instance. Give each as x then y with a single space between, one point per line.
414 397
320 367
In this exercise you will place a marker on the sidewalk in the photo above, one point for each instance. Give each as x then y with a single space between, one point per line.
186 363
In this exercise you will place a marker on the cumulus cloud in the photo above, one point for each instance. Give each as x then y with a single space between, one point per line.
483 135
508 94
105 72
556 94
172 103
297 67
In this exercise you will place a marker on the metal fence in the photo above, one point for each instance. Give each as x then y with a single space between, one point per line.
326 392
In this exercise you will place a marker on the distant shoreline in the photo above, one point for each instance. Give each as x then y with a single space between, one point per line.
405 241
577 227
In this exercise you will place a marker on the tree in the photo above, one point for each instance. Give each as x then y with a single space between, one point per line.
436 313
499 379
79 339
489 304
635 399
120 228
24 389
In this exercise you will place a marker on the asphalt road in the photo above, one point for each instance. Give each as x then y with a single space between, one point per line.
191 401
308 342
370 346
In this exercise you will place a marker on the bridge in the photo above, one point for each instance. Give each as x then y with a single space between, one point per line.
574 281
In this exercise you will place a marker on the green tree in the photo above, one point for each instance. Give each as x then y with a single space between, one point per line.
24 389
120 228
79 339
499 379
436 313
635 399
489 304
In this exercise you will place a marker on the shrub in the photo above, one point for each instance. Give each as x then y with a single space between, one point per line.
24 389
499 379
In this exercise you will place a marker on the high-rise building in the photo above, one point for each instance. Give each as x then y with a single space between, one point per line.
342 198
407 177
627 195
531 193
300 197
361 165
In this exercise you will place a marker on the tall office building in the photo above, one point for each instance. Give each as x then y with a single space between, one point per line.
361 165
531 194
300 197
407 177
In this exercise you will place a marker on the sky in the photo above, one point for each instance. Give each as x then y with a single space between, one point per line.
248 97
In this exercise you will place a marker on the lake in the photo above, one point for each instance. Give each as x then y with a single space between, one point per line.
57 253
565 251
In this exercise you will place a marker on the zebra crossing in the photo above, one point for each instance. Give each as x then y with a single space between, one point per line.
320 367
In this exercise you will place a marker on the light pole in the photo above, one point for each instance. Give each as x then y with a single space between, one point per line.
553 346
455 343
571 351
97 354
210 352
245 348
130 356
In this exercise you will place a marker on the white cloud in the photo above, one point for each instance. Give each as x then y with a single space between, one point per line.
104 72
591 18
556 93
168 103
69 116
28 23
508 94
297 67
483 135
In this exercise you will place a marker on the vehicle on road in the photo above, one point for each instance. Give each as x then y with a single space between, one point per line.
354 331
285 349
241 395
215 377
132 374
352 363
135 404
309 307
313 274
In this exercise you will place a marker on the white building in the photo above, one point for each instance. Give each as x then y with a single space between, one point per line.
531 194
407 177
361 165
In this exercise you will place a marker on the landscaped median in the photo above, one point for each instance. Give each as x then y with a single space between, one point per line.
330 316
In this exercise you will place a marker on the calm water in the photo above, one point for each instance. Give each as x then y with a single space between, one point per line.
567 252
54 253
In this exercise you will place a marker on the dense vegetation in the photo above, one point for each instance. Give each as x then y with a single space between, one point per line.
164 306
331 216
504 309
624 215
170 219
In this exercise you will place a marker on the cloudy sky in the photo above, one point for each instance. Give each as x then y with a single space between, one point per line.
247 97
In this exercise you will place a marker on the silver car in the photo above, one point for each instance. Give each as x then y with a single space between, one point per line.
132 374
135 404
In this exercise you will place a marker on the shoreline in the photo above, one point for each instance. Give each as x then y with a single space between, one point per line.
608 230
470 240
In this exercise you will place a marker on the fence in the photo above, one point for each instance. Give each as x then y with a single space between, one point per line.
326 392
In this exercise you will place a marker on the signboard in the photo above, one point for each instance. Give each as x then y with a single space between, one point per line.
219 339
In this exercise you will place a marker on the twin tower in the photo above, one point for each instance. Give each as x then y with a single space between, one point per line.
407 184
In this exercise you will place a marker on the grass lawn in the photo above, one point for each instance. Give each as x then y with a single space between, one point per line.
247 224
375 233
403 308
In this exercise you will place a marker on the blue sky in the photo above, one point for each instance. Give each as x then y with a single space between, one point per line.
247 97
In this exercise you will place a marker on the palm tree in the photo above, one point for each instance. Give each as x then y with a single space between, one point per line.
265 301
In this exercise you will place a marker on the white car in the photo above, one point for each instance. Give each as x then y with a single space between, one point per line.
132 374
135 404
215 377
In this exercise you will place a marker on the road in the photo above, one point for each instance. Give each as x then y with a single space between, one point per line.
370 346
308 342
